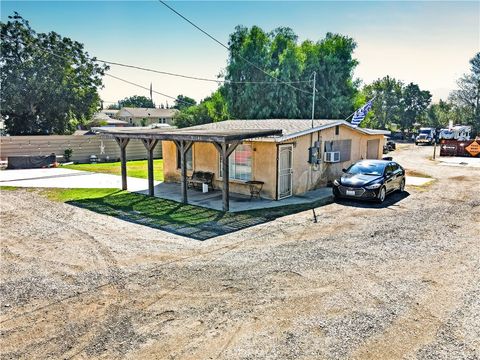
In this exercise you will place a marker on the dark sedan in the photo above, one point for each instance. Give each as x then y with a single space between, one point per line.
370 180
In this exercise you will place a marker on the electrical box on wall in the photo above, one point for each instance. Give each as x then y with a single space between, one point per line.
314 157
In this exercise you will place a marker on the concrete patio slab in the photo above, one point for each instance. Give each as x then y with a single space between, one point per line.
69 179
238 202
66 178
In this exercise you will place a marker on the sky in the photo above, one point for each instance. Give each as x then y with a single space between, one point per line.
427 42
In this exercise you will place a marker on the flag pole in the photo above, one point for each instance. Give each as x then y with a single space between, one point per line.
313 97
349 116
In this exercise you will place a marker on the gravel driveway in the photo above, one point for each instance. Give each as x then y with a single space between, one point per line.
366 282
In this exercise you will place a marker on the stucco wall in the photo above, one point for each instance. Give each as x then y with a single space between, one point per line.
206 158
305 176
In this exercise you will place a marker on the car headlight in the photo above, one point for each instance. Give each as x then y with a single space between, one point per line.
373 186
336 183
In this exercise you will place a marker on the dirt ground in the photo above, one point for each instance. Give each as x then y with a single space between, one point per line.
400 281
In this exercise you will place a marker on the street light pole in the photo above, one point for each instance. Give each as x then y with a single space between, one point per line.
313 97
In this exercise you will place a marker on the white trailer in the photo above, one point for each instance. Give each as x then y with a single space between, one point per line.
457 132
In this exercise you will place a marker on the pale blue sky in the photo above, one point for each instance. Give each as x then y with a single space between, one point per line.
428 42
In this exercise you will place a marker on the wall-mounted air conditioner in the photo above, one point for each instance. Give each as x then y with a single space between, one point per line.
332 156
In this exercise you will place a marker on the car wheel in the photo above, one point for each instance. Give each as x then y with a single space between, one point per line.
402 186
382 194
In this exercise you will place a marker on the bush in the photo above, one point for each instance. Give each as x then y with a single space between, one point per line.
67 154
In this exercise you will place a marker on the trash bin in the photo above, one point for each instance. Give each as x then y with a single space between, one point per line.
204 187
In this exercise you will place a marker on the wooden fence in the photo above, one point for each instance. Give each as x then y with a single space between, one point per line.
83 147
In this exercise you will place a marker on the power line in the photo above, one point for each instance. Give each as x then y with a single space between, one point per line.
129 82
226 47
194 77
180 75
147 88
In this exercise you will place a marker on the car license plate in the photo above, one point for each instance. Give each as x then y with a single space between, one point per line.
350 192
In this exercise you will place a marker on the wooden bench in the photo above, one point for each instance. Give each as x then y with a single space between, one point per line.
200 177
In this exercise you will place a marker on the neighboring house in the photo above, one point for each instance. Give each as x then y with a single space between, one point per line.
146 116
281 162
109 112
102 119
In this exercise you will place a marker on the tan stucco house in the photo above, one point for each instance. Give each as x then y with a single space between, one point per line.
146 116
284 163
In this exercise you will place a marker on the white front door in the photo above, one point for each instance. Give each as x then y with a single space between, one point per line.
285 170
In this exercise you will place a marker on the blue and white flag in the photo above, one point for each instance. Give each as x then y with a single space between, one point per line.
360 114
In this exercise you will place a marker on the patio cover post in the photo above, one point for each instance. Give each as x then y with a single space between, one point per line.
184 146
150 145
225 150
123 142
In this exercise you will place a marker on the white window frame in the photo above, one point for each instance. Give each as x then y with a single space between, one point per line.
232 174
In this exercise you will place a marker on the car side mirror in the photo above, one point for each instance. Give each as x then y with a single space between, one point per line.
344 170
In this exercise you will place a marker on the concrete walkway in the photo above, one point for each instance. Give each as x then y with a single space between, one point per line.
69 179
238 202
459 161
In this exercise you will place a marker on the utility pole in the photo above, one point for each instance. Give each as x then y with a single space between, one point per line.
313 97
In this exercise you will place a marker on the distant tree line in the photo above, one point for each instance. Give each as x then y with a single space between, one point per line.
135 101
408 105
50 84
250 93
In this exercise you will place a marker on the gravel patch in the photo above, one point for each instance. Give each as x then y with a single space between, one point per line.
366 281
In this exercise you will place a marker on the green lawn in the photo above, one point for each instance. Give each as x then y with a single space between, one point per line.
136 168
187 220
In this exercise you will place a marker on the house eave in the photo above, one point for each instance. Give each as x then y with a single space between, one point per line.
323 127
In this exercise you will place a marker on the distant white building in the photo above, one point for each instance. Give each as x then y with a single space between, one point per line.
145 116
109 112
102 119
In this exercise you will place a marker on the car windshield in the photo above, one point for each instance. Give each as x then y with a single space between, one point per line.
366 168
425 132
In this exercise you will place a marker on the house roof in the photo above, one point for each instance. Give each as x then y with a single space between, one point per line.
276 130
291 128
190 134
100 116
148 112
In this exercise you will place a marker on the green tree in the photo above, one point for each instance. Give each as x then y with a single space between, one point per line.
387 105
211 109
182 102
335 87
415 103
248 100
437 115
467 96
49 83
281 57
137 101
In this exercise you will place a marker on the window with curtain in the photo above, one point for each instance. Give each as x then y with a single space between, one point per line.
189 159
239 163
